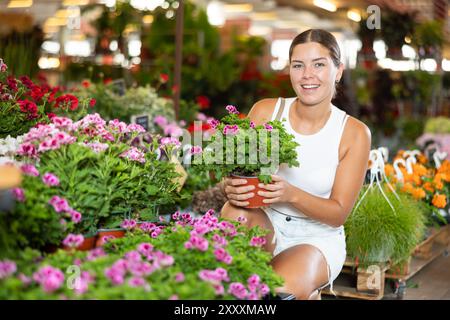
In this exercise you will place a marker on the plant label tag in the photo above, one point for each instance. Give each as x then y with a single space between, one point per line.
141 120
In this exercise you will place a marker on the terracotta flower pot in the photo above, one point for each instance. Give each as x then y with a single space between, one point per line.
104 235
88 243
256 201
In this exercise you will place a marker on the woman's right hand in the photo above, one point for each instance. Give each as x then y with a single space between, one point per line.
236 193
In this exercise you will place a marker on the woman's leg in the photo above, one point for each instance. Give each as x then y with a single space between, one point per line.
255 217
304 270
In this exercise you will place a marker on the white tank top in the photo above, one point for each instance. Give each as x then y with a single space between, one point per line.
318 155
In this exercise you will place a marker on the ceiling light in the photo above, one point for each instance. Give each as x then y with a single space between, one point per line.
20 3
238 8
68 3
147 19
354 15
327 5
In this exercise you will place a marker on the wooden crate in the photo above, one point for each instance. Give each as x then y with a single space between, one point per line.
360 283
431 248
424 250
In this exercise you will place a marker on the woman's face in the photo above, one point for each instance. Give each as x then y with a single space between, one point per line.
313 73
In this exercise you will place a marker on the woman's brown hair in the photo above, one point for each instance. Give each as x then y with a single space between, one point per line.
323 37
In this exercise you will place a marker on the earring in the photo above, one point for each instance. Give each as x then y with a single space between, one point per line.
337 81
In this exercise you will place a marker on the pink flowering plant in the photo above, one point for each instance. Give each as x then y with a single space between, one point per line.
240 147
40 218
24 104
84 175
190 258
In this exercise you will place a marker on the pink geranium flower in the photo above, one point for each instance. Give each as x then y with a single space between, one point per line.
196 150
230 129
50 179
160 121
213 123
128 224
29 170
7 268
73 240
19 194
134 154
59 204
258 241
232 109
50 278
238 290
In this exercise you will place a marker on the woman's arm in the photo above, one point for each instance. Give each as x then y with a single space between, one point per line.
349 179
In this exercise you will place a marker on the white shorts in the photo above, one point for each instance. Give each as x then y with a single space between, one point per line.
299 230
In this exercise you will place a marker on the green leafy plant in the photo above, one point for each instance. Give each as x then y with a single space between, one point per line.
377 234
429 36
136 101
437 125
237 142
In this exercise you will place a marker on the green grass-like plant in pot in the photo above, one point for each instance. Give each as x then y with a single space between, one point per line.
377 234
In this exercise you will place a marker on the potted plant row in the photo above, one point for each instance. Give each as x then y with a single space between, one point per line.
83 176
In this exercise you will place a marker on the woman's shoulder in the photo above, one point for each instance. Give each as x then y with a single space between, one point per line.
356 129
262 110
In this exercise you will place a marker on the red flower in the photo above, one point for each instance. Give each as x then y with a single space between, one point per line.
27 82
51 115
175 89
86 83
203 102
67 100
12 83
204 127
36 93
29 108
92 102
163 77
107 81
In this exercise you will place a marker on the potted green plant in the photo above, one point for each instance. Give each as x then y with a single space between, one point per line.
241 149
379 233
395 26
429 38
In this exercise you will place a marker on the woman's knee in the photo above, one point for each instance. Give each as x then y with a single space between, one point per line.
232 212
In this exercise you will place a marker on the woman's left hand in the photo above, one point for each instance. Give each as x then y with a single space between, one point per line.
277 191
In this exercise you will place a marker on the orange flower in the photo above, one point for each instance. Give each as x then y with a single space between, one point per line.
422 159
407 187
416 179
438 185
439 200
419 169
428 187
389 170
418 193
439 177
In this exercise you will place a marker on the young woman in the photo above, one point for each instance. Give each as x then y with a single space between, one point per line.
308 205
